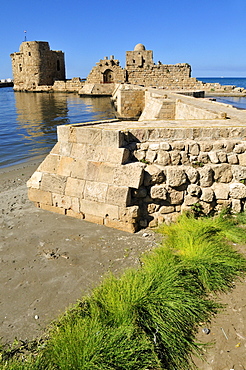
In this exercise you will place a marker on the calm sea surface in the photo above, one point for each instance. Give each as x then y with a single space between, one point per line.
28 121
239 102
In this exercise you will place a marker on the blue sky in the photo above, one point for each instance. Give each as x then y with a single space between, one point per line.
209 35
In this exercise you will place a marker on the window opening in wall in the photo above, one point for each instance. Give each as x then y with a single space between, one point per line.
29 53
20 67
133 60
58 66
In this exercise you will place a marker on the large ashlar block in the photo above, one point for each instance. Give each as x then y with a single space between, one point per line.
99 209
75 187
82 151
64 166
85 135
129 175
41 196
65 133
65 149
120 225
35 181
106 172
78 169
47 207
49 164
117 155
95 191
118 195
93 218
54 183
112 138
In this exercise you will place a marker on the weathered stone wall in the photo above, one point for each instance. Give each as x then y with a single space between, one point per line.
106 71
129 101
134 178
73 85
36 65
85 176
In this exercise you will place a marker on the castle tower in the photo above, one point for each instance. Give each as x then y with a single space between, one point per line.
36 65
139 57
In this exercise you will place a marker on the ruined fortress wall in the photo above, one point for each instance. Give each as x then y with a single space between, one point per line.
106 71
134 178
36 65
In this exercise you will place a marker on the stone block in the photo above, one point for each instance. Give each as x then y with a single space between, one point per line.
203 158
175 176
92 170
112 138
88 135
53 183
175 157
190 200
236 205
184 158
178 145
41 196
139 154
207 195
213 157
49 164
65 149
194 190
175 197
106 172
192 174
221 190
153 174
222 173
232 159
129 214
237 190
222 156
75 187
151 156
64 166
242 159
118 195
206 146
206 176
35 180
218 145
99 154
129 175
65 134
165 146
120 225
99 209
74 214
158 192
61 201
82 151
194 148
95 191
93 218
46 207
239 173
163 158
78 169
117 155
239 148
166 209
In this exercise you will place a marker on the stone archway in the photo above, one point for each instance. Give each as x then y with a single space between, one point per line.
108 76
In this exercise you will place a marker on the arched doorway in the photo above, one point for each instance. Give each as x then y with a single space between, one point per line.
108 76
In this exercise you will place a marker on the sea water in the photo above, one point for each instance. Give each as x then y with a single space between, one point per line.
238 102
28 121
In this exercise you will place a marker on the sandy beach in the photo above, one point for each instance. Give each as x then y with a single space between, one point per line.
48 261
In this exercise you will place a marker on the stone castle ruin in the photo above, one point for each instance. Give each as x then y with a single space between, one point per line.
36 65
172 151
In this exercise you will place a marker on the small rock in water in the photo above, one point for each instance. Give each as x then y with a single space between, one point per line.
145 235
205 330
36 317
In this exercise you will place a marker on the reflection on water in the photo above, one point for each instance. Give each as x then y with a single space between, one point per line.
28 121
238 102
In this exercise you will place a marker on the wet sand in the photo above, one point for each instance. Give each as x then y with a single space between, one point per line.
48 261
